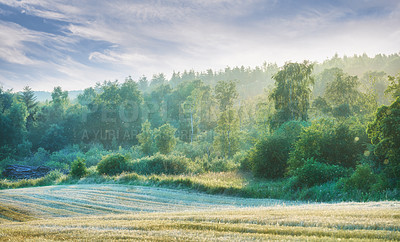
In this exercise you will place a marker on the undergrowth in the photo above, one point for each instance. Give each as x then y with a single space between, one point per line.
227 183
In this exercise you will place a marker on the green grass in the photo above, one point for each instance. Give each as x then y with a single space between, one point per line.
227 183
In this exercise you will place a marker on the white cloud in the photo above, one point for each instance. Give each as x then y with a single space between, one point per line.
146 37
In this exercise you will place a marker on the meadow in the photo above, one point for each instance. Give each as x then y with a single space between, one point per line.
126 212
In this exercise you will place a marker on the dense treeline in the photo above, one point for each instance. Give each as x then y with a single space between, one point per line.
335 122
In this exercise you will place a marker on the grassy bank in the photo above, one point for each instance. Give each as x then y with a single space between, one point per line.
227 183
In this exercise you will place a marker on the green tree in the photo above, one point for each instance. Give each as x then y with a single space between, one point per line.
227 125
165 138
342 90
146 138
323 78
227 139
17 115
6 99
328 142
321 105
394 86
54 138
87 97
226 94
143 84
376 83
29 99
59 103
78 168
292 92
384 132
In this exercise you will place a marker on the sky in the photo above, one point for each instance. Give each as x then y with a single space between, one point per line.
75 43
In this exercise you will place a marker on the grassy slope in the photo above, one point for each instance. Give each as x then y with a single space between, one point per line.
130 212
227 183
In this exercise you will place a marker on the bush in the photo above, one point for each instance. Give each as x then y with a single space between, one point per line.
191 150
63 158
164 164
94 154
269 156
315 173
219 165
112 164
329 143
41 157
50 179
362 179
78 168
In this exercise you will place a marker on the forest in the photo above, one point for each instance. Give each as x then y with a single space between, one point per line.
305 130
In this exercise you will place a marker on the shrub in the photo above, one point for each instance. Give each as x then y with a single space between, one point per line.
91 171
50 179
112 164
165 139
269 156
329 143
78 168
41 157
362 179
164 164
191 150
94 154
63 158
315 173
220 165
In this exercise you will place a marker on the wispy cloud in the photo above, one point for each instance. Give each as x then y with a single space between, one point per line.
78 43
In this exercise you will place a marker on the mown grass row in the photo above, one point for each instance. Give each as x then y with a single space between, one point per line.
309 222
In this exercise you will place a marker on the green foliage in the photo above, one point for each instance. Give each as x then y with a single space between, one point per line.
315 173
164 164
94 154
196 149
394 86
327 142
219 165
63 158
342 90
292 92
362 179
269 156
146 139
321 105
53 177
384 132
165 139
228 131
78 168
40 157
341 111
54 139
228 122
112 164
226 94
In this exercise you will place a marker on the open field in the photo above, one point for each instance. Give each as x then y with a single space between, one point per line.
124 212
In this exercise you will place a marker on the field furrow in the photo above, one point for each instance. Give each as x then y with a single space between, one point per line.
120 212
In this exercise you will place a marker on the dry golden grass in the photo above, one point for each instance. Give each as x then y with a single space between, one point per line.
179 215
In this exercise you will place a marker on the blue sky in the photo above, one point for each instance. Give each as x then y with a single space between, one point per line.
74 44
